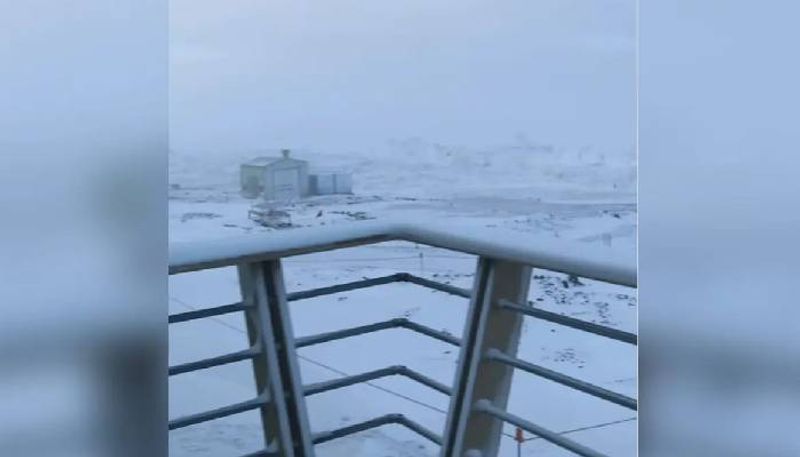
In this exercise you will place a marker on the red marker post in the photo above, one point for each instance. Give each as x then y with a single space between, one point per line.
519 438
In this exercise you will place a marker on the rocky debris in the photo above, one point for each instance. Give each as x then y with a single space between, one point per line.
189 216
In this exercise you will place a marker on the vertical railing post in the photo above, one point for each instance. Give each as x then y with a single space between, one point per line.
487 326
284 418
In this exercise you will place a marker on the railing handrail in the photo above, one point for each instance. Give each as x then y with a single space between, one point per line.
571 257
487 348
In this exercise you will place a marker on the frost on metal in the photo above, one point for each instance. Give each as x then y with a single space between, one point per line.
572 257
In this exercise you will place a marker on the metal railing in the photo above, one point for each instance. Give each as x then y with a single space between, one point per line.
487 347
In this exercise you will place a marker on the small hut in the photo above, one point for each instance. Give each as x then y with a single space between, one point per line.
330 182
280 178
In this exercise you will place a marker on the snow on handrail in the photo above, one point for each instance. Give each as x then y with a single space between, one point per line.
577 258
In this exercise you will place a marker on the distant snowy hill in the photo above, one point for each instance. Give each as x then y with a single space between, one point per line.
418 168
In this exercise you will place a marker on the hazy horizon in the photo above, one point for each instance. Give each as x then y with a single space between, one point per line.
356 75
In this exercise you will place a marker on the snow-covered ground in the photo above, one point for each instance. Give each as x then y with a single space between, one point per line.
547 192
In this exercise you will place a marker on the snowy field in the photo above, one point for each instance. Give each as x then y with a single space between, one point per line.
548 193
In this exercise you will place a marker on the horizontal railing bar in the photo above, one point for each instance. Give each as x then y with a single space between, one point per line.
484 406
218 413
323 437
577 384
207 312
422 379
578 324
325 386
396 370
436 334
362 284
609 332
450 289
422 431
575 258
388 419
370 328
345 333
213 361
185 257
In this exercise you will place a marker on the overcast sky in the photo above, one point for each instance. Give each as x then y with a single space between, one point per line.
340 75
